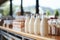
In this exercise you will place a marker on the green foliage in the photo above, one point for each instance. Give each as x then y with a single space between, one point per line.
47 12
56 13
6 8
6 11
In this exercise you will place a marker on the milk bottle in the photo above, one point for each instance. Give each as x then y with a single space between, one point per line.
44 26
27 23
31 24
37 25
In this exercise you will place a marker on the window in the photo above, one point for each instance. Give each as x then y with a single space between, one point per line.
50 5
16 5
29 5
54 4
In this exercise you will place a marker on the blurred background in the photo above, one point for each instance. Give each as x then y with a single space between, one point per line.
29 6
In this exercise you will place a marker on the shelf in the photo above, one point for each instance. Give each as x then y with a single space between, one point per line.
37 37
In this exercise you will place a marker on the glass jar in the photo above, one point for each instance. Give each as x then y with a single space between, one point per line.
54 28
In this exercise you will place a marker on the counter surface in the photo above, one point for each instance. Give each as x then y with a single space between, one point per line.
37 37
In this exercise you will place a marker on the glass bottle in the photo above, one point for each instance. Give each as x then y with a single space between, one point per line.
31 24
27 23
37 25
44 26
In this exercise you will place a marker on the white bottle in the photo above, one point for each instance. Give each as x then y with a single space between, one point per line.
31 24
27 23
44 26
37 25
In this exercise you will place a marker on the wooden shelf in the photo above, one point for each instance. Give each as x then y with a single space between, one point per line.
37 37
